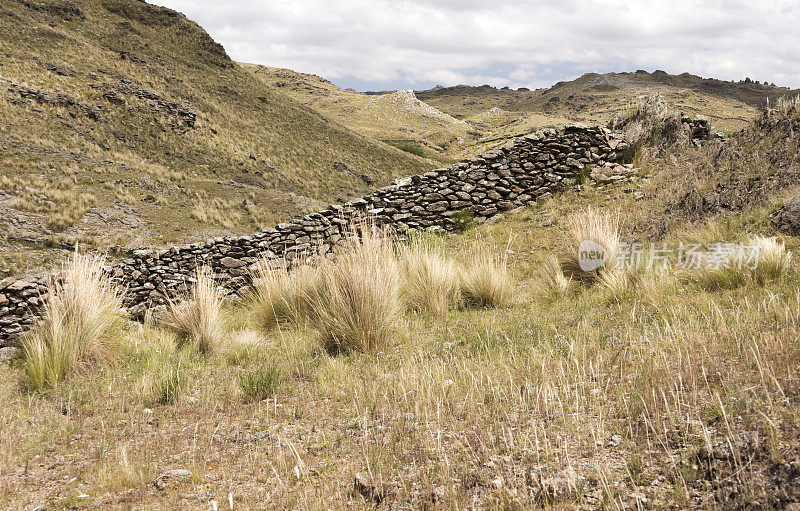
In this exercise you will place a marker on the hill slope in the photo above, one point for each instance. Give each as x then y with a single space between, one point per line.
396 117
126 120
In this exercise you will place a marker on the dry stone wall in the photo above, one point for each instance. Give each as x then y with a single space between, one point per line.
524 170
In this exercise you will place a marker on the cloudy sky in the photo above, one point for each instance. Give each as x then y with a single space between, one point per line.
378 44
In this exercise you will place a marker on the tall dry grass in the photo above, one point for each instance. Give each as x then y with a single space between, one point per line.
430 280
553 278
601 227
82 324
774 261
485 278
356 306
281 295
772 264
197 318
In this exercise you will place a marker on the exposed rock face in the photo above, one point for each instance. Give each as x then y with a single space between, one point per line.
528 168
787 219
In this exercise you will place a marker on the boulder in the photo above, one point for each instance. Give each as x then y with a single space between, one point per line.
787 219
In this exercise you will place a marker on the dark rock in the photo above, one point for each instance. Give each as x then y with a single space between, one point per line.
362 486
787 219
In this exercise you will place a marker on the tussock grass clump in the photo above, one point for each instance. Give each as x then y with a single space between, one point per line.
589 224
168 387
430 281
356 306
82 324
615 282
774 261
553 278
485 279
649 122
259 384
281 295
119 473
197 319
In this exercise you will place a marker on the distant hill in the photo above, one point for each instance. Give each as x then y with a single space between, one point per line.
125 123
597 97
396 117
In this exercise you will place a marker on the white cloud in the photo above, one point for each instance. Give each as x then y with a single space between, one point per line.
416 43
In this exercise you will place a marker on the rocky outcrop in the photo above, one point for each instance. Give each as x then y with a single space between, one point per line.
56 97
531 167
787 219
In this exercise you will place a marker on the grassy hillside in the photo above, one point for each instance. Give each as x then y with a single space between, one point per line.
394 117
650 387
125 124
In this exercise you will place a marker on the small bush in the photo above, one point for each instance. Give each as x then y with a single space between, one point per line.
259 384
197 319
430 281
485 281
82 324
463 219
281 295
356 306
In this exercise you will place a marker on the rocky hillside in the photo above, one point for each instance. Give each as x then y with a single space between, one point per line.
123 123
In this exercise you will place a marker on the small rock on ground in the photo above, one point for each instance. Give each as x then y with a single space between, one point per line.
172 478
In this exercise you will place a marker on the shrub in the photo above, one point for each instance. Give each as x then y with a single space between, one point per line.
463 219
485 281
260 384
430 281
356 306
197 319
281 295
82 324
